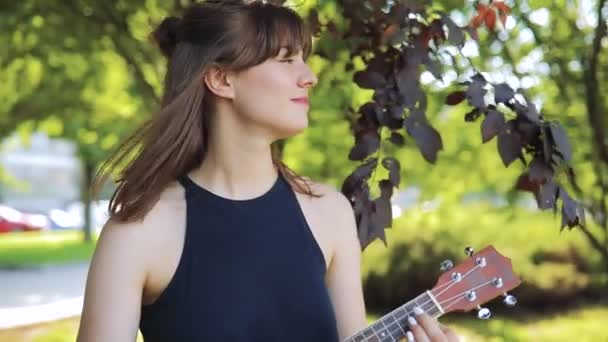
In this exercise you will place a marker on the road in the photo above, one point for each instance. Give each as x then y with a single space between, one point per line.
38 294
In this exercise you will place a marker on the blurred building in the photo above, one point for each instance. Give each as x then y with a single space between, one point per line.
39 174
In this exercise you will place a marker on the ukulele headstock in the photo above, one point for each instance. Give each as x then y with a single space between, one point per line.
484 276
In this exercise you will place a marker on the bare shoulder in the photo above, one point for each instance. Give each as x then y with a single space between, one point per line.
331 201
138 242
124 255
333 208
153 226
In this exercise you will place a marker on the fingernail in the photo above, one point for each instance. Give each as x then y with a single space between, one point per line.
411 320
418 311
410 337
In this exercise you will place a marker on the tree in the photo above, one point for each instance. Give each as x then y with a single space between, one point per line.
395 40
386 47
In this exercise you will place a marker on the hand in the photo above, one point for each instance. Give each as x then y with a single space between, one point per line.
425 328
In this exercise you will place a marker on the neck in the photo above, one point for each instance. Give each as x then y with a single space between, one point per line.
238 161
392 327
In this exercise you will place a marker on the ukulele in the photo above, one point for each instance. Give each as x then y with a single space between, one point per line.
484 276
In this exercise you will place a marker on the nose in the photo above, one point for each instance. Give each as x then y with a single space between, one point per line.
308 79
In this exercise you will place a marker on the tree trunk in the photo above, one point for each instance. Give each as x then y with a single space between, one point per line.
87 178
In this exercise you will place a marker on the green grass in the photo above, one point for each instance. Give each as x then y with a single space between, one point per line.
59 331
581 325
23 249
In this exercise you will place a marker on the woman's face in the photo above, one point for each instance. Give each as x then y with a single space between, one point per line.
274 95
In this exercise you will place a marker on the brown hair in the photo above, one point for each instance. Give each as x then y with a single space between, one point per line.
236 34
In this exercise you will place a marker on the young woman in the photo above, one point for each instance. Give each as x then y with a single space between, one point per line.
211 237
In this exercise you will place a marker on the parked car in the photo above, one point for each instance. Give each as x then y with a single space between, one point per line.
72 216
13 220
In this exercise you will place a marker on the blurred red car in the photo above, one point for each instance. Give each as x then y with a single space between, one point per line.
12 220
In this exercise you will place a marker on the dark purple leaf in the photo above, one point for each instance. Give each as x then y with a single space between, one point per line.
366 143
414 55
525 184
561 141
397 139
547 195
360 199
492 125
472 115
386 188
409 89
540 172
427 139
396 111
476 93
369 111
455 34
369 79
509 145
455 97
570 207
528 131
547 144
531 113
503 93
364 229
383 213
394 168
357 180
383 117
433 67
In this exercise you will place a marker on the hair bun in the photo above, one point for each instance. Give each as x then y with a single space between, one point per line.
166 35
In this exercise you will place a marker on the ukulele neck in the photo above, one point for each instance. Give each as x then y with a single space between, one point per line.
392 326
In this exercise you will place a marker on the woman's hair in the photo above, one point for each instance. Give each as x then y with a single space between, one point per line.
235 34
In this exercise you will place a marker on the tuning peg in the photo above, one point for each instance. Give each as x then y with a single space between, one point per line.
509 300
446 265
469 251
483 313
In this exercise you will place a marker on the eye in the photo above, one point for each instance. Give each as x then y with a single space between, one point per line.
288 60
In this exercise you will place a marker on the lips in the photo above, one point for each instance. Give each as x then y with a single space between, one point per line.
301 100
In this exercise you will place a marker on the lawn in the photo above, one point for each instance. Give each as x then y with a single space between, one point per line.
23 249
581 325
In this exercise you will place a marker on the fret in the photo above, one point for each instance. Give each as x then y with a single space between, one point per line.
368 333
379 331
437 309
359 338
392 327
400 331
386 327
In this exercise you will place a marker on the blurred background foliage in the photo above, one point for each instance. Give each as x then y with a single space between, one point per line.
87 71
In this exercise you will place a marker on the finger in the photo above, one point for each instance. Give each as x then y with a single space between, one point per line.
430 326
449 333
416 330
410 336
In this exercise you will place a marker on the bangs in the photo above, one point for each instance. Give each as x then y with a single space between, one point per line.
270 29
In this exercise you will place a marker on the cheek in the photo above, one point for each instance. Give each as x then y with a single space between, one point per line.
265 100
262 94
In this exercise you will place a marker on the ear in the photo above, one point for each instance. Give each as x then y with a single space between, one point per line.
219 81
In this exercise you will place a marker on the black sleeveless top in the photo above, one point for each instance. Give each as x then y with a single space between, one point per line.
250 270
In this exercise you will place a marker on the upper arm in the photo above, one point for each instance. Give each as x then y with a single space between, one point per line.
114 286
344 273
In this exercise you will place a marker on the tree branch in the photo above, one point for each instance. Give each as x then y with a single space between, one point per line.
596 119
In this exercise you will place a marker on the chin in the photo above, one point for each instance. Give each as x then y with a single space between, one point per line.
291 129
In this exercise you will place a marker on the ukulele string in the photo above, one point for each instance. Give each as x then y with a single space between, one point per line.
454 282
388 327
461 295
447 286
